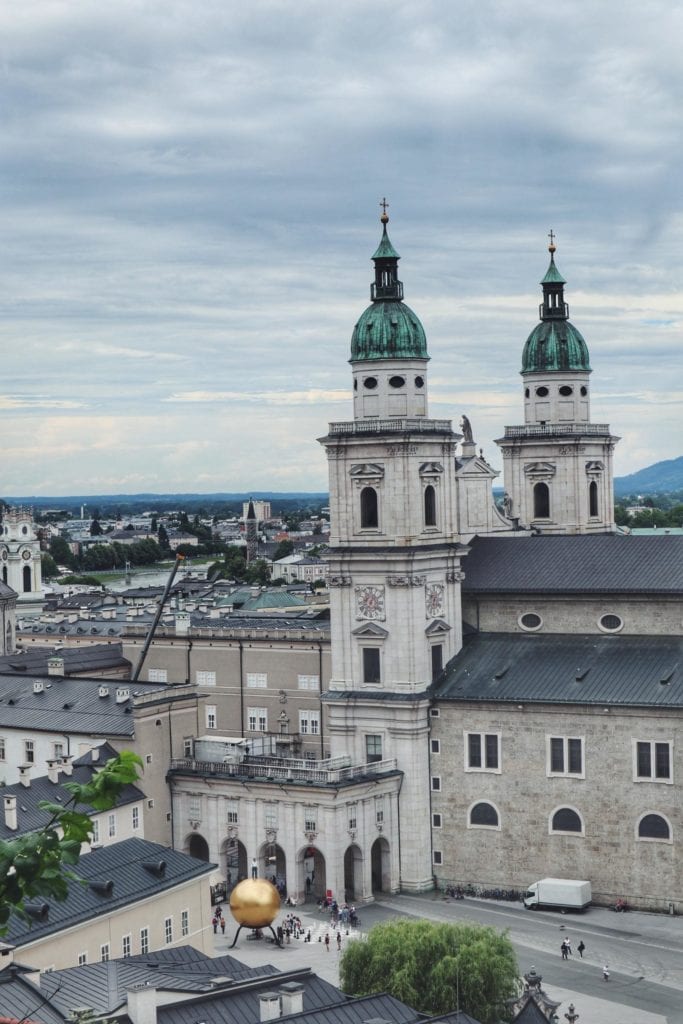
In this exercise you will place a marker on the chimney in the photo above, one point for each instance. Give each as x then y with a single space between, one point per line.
67 764
141 1004
103 691
182 623
269 1006
292 996
55 665
38 686
122 694
10 812
53 766
25 775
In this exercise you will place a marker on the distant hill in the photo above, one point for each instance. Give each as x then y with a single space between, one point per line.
662 477
282 502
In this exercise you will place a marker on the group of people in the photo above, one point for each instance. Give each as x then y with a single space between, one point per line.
218 921
327 942
343 914
566 951
292 927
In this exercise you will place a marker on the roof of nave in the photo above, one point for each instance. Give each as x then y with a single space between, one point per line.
575 565
636 671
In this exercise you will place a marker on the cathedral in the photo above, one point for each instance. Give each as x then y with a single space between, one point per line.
506 684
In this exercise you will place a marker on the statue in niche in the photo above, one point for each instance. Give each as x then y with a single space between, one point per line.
507 506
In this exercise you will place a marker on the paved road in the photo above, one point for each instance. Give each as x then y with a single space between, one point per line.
644 953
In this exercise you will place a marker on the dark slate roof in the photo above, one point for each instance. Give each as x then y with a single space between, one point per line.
87 659
30 817
123 863
637 671
578 564
20 999
69 705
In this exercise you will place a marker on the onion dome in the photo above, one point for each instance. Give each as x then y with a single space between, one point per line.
555 344
388 329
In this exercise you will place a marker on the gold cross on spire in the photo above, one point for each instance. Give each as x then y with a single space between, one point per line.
385 216
551 236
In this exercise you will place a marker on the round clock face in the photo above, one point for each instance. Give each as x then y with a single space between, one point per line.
434 599
370 602
26 555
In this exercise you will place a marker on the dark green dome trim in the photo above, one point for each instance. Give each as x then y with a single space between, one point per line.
555 345
388 330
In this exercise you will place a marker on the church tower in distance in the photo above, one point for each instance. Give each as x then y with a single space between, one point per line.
394 557
558 465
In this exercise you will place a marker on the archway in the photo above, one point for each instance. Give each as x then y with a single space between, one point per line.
273 865
312 873
198 847
233 861
353 874
381 866
27 578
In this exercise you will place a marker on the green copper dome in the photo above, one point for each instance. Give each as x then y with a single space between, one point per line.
388 329
554 344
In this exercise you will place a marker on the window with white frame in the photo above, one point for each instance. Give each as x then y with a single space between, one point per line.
205 678
309 723
95 831
233 812
257 719
436 821
308 682
157 675
372 665
144 940
82 959
3 754
168 930
58 751
353 820
270 816
565 756
437 857
136 818
379 810
654 828
436 783
125 945
210 712
195 806
188 746
257 680
566 821
435 746
104 951
111 825
373 748
310 824
652 761
29 752
483 815
184 922
482 752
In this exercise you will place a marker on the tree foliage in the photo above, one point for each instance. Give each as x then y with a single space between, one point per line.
435 968
37 865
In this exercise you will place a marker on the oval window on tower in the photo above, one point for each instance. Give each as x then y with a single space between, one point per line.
419 382
530 621
526 392
370 383
584 391
355 385
542 392
565 390
396 381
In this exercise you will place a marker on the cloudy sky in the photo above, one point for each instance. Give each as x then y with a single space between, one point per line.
190 201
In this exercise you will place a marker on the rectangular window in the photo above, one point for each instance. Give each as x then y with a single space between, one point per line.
188 745
309 723
3 754
233 812
437 660
257 719
270 816
438 858
157 675
58 751
144 940
125 945
29 752
353 820
205 678
168 930
565 756
111 825
210 711
184 922
82 959
308 682
95 831
482 751
653 761
136 818
436 782
310 825
436 746
436 821
371 665
373 749
195 806
104 951
434 712
257 680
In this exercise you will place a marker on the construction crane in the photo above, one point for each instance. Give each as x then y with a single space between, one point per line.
155 622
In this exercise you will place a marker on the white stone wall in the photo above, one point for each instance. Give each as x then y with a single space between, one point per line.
562 614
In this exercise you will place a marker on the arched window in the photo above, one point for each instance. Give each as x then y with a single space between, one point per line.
541 501
484 814
566 820
593 499
654 826
368 508
27 578
430 506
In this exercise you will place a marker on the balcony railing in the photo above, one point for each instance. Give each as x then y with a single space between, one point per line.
282 770
557 429
412 425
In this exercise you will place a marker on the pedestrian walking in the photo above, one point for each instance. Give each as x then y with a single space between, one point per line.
222 926
564 950
214 922
605 973
581 946
568 944
339 941
327 942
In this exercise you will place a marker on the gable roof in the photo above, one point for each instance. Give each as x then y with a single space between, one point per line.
86 659
635 671
577 564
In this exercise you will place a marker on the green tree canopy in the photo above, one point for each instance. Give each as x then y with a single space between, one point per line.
284 548
48 566
435 968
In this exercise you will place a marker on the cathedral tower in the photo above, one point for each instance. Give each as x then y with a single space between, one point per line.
394 555
558 465
20 556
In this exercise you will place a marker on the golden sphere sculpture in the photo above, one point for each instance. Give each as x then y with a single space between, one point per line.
254 903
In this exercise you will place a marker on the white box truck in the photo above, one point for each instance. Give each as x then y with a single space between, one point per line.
558 894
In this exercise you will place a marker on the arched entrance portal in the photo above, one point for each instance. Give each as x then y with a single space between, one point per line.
233 862
312 874
353 874
381 866
273 865
198 847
